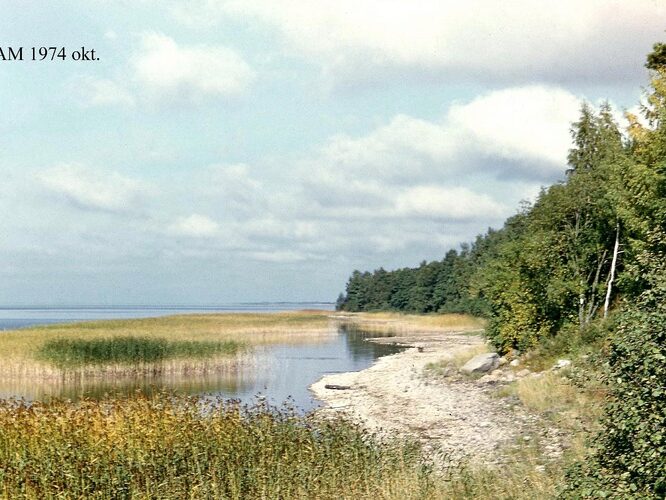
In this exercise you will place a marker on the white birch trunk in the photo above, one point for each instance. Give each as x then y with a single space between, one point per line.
609 288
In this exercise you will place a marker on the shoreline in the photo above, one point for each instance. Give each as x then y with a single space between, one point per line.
457 421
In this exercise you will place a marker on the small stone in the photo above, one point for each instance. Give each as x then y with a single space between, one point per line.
523 373
515 362
540 468
503 361
526 438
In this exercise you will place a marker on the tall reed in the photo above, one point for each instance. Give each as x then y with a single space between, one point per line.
175 447
74 353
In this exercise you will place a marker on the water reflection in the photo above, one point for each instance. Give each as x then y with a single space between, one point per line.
228 383
277 373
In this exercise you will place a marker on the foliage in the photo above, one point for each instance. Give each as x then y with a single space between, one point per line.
440 286
72 353
630 454
174 447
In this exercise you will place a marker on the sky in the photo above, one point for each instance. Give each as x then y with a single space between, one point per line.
261 150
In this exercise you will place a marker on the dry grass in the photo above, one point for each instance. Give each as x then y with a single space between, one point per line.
575 410
174 447
405 324
526 477
19 348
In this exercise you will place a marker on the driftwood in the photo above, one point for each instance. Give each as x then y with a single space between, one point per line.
337 387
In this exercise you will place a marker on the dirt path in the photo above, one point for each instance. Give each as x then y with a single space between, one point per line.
462 418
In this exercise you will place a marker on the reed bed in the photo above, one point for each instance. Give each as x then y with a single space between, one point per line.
130 350
196 343
386 323
168 446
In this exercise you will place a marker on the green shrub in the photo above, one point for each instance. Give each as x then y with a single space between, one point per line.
629 459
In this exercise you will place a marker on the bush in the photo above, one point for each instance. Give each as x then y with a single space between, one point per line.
629 460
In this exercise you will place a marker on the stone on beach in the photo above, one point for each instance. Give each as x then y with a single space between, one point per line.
482 363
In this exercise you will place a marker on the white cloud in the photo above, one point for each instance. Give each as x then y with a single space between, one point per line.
526 124
163 66
194 225
519 132
91 189
510 41
446 203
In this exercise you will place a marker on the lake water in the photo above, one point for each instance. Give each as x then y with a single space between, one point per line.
280 372
12 317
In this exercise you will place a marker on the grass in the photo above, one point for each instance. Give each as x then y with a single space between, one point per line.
169 447
526 477
405 324
77 353
173 447
25 352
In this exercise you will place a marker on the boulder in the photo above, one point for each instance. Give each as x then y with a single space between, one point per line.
482 363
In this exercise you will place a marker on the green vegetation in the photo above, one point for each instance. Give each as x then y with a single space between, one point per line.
441 286
580 272
75 353
172 447
628 458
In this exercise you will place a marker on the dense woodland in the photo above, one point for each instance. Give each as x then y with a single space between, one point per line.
586 260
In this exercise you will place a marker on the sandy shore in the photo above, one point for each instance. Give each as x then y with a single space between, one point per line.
461 417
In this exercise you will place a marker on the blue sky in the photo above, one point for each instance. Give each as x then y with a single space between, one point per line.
224 151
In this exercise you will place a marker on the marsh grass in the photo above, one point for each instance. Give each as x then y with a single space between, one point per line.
22 351
76 353
387 323
174 447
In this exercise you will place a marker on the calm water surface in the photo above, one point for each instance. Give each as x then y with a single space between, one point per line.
280 372
12 317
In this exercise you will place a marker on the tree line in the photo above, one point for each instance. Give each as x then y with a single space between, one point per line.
589 247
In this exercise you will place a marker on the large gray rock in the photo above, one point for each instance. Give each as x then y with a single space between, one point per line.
482 363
